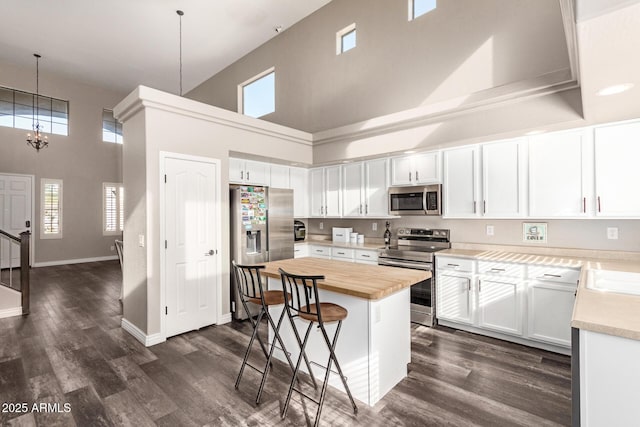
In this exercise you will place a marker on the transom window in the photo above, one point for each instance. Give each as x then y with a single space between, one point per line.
113 208
420 7
51 209
346 39
111 128
257 96
20 109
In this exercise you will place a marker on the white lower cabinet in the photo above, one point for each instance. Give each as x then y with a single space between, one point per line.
525 303
300 251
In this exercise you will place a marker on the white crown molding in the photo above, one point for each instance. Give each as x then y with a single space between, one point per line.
145 97
146 340
568 10
553 82
74 261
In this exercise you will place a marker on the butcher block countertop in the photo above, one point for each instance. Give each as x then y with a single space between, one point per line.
359 280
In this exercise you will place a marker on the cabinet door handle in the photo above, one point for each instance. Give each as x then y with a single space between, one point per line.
474 206
417 176
366 209
584 205
599 210
409 176
321 210
484 206
247 175
469 285
361 208
241 174
479 286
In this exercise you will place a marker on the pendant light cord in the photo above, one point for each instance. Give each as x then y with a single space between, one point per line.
37 109
180 13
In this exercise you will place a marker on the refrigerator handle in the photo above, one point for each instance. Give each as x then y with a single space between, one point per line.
267 236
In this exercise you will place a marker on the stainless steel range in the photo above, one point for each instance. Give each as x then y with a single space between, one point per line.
415 250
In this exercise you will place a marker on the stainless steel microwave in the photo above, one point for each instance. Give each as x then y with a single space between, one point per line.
425 200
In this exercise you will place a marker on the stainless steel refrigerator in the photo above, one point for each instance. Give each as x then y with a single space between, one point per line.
261 230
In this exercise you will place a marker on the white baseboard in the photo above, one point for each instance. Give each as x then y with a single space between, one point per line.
146 340
74 261
225 318
10 312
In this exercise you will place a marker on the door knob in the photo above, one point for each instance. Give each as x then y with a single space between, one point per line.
210 253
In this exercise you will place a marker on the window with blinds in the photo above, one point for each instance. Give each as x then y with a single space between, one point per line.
111 128
20 109
51 207
113 212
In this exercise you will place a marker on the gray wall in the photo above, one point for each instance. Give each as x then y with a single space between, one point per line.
569 233
462 47
81 160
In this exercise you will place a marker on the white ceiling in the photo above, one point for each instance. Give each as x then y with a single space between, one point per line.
121 44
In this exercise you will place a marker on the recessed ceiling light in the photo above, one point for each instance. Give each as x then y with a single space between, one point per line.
615 89
278 28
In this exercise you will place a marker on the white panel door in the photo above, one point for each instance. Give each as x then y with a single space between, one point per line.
499 306
352 203
16 201
550 311
316 192
332 189
454 301
460 186
503 179
191 270
557 177
427 168
617 150
299 183
376 187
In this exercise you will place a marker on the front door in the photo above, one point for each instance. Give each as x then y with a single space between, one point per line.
191 268
15 214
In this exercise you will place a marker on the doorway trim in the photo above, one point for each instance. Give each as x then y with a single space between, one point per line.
34 220
164 155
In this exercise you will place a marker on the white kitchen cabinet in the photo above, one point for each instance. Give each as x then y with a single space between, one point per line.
301 251
454 297
461 185
325 191
416 169
320 252
617 150
299 183
499 306
561 175
342 254
248 172
550 310
504 174
364 189
364 256
279 176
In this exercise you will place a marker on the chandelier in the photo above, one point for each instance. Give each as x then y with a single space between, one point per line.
38 140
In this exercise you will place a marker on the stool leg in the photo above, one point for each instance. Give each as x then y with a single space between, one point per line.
246 354
332 355
276 333
303 345
306 360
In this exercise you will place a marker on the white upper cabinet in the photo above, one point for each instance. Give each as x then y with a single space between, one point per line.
299 183
617 150
416 169
279 176
325 191
461 182
561 175
364 189
504 176
487 181
248 172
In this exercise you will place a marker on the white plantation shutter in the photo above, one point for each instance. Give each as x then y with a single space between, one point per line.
51 209
113 205
121 208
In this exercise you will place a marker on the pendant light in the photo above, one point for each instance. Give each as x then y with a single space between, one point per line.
180 13
38 140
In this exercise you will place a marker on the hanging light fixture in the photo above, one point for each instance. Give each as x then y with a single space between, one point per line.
180 13
38 140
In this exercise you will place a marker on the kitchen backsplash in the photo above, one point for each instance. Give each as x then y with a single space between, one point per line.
585 234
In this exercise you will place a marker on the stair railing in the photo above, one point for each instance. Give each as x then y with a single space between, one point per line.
6 264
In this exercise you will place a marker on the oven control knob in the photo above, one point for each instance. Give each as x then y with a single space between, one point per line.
401 231
436 233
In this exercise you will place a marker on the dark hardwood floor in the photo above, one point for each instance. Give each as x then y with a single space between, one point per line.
72 350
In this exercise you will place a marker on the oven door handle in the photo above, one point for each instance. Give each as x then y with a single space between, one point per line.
404 264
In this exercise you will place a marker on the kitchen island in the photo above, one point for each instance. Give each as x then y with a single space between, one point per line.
374 346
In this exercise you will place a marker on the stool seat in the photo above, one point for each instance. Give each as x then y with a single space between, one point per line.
330 312
270 298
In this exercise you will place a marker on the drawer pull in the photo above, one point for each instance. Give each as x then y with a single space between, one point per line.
496 270
340 253
453 265
319 250
548 276
365 256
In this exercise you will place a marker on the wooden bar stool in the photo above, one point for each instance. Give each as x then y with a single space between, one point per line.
299 290
249 284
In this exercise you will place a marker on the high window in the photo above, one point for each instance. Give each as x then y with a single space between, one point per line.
420 7
257 96
20 109
51 209
113 208
346 39
111 128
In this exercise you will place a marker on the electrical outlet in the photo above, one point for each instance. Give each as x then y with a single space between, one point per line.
490 230
374 226
141 240
612 233
321 226
113 248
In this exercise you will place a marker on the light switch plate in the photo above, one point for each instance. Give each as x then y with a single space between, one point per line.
490 230
612 233
374 226
141 240
321 226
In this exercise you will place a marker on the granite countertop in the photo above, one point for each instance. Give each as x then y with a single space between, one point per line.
359 280
594 310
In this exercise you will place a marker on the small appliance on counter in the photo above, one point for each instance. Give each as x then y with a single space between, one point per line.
341 235
299 230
